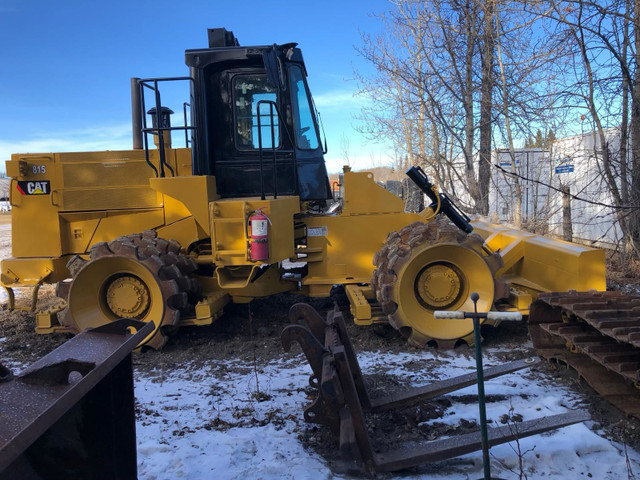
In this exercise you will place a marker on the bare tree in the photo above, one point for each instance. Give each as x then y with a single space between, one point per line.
486 101
527 68
425 87
457 78
604 51
434 91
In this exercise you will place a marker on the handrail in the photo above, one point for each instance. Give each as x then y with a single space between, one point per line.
184 111
283 126
152 84
273 147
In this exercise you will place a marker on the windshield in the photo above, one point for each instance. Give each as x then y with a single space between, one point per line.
304 121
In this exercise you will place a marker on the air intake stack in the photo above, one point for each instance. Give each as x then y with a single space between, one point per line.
221 37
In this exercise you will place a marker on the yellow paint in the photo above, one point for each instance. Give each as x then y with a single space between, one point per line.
342 250
236 277
185 231
98 196
229 233
95 196
136 292
79 231
266 282
359 305
35 228
362 196
536 264
47 322
472 275
30 271
208 309
191 195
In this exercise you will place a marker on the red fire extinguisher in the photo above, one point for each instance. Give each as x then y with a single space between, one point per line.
259 237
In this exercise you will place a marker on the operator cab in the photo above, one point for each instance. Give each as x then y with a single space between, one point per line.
255 125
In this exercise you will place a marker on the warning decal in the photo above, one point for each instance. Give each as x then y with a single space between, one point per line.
317 231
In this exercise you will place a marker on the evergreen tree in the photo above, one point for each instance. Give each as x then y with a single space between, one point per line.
551 137
539 143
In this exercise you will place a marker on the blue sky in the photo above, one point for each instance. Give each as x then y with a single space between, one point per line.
65 65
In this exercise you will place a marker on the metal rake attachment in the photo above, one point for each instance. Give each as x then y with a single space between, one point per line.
342 398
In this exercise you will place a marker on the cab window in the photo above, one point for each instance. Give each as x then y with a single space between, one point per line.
304 120
248 92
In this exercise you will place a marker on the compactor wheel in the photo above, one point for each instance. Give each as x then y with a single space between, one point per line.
434 266
136 276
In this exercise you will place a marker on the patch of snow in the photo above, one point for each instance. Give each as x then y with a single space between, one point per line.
177 435
207 423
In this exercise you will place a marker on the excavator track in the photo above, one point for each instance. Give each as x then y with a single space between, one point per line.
598 335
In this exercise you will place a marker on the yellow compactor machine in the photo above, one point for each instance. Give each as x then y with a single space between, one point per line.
171 235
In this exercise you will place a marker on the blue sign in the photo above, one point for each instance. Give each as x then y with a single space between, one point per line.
564 168
508 163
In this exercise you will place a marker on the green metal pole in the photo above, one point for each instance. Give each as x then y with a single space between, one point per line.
481 399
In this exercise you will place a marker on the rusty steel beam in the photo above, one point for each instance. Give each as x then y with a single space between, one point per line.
71 414
418 394
455 446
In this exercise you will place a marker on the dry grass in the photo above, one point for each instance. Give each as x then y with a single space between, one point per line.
623 272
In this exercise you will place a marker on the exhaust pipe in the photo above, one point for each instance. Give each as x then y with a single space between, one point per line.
136 114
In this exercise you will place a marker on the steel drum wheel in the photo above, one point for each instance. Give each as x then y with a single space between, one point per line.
137 276
434 266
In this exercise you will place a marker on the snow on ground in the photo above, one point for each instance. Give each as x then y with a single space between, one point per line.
179 435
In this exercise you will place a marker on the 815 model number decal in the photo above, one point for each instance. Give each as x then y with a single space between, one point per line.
42 187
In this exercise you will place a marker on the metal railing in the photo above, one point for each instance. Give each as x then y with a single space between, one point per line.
159 130
273 107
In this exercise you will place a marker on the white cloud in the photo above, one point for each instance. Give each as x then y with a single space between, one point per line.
338 99
109 137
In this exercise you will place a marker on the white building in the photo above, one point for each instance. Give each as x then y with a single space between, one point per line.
572 164
531 169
